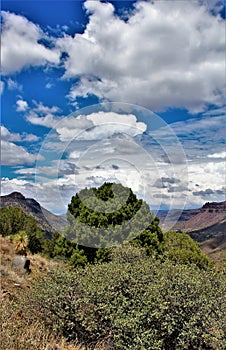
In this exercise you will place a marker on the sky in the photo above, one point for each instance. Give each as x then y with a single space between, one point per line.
121 91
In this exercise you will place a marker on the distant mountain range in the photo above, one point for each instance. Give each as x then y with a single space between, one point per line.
46 220
206 225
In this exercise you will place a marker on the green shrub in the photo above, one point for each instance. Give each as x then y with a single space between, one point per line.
13 221
78 258
181 248
136 304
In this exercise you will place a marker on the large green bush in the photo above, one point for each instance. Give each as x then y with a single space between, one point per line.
135 302
181 248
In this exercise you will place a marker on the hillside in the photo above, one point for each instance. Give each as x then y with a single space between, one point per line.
123 297
215 248
14 317
206 225
45 219
203 223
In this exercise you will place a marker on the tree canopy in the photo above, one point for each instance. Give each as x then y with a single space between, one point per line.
107 216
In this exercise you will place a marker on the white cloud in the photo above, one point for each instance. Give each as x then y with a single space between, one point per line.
22 106
168 53
49 86
206 183
97 126
43 115
12 154
204 175
14 85
220 155
2 86
159 183
75 154
27 188
29 137
216 111
20 46
196 125
199 136
6 135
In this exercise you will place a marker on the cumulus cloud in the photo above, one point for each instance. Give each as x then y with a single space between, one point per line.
6 135
22 106
167 53
12 154
20 45
11 185
207 173
98 126
29 137
43 115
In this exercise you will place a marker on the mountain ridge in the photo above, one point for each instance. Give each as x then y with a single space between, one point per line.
48 221
211 214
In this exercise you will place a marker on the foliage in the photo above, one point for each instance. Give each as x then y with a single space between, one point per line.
20 241
136 304
49 244
78 258
106 216
181 248
99 218
151 238
63 247
13 221
22 326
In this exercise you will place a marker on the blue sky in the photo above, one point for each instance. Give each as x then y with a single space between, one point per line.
125 91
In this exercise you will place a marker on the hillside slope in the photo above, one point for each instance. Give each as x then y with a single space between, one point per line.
202 224
45 219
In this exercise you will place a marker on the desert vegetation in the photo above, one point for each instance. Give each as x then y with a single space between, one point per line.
149 290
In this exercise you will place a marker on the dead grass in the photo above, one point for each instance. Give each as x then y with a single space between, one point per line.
23 331
23 328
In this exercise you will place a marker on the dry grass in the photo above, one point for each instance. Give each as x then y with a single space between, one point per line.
23 328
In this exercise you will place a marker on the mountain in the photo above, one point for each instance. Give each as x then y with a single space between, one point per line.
204 223
45 219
